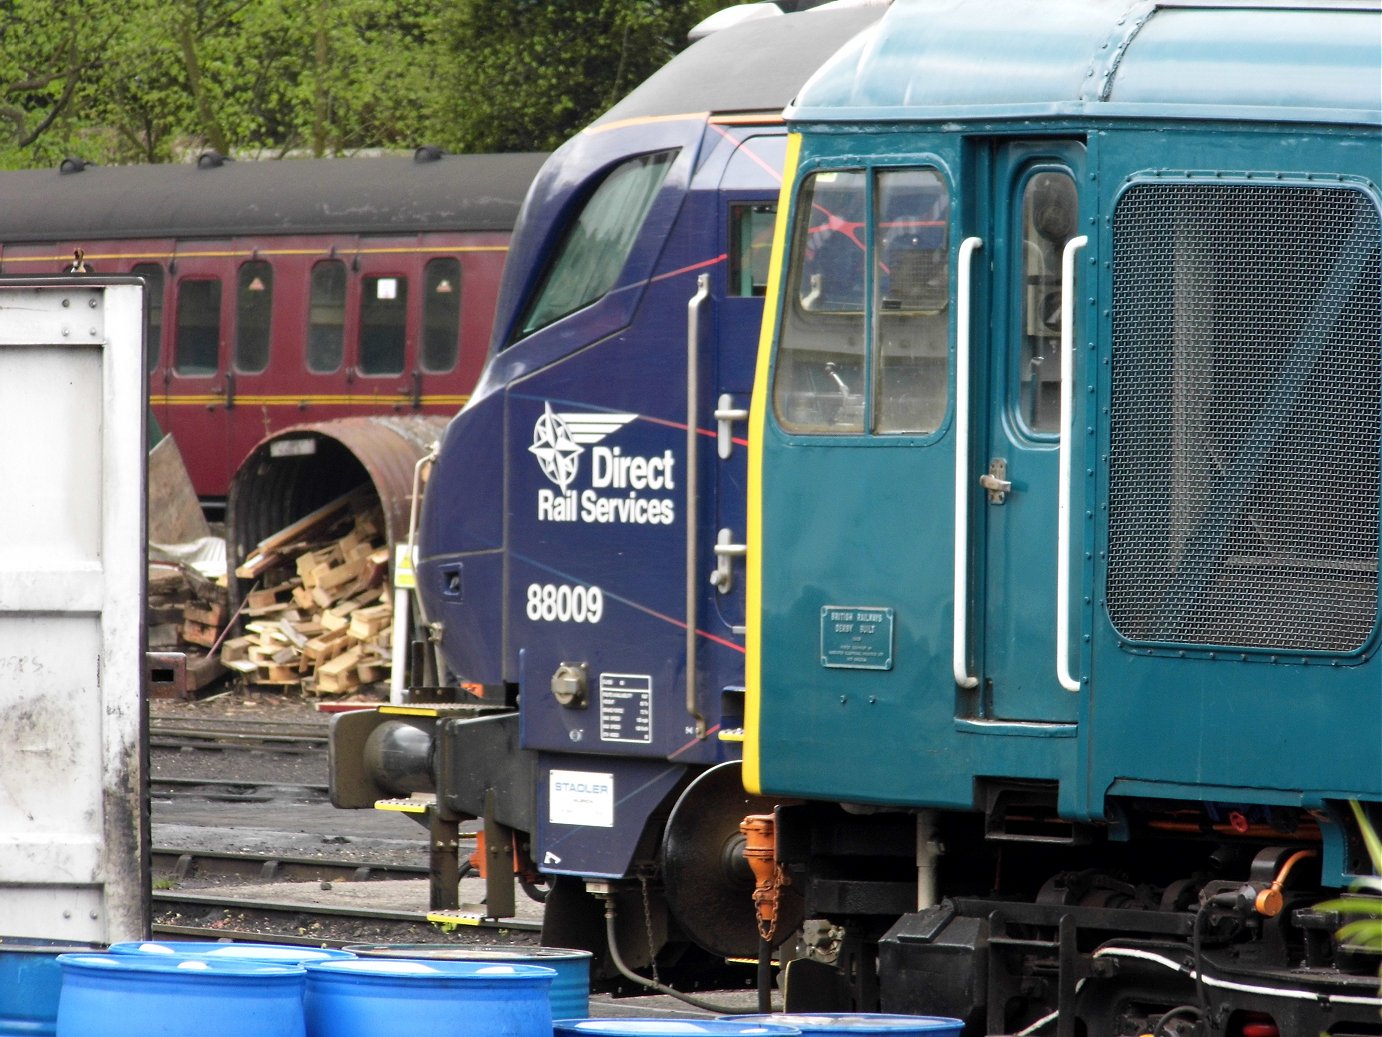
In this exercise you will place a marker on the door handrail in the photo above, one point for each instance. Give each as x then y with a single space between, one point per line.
959 648
693 584
1067 383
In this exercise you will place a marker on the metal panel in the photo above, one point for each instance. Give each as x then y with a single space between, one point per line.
72 824
298 469
1201 58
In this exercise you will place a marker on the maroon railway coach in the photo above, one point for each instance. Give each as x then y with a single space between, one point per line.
283 292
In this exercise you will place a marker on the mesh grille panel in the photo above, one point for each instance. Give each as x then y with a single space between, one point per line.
1243 504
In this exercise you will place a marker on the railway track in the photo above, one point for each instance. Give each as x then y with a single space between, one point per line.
248 846
215 915
222 734
177 864
229 790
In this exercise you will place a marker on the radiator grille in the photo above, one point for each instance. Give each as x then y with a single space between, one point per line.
1243 494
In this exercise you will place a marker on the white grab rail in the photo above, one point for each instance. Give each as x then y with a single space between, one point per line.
1067 383
959 662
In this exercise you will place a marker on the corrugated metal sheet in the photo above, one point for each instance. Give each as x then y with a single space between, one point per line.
293 472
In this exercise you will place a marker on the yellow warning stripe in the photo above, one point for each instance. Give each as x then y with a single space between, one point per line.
645 120
256 253
758 411
400 807
454 918
337 400
749 119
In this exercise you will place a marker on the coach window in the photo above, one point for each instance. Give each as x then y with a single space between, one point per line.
153 318
383 324
326 318
819 381
598 242
1050 207
750 247
441 314
196 345
911 292
254 296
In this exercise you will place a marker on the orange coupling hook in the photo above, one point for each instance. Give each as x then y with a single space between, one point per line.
760 851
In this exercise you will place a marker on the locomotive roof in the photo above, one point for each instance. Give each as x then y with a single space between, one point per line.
756 66
292 196
1245 59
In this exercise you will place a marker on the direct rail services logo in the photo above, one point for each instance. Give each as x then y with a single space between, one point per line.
559 440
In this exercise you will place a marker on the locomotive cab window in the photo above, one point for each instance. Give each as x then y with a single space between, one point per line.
750 247
598 242
865 341
254 297
1050 208
326 317
153 318
196 346
383 324
441 314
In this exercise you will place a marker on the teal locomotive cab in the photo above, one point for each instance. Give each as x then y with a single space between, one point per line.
1066 460
913 450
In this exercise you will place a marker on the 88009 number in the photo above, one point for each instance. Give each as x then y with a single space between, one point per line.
563 603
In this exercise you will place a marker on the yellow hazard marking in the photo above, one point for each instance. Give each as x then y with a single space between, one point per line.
758 409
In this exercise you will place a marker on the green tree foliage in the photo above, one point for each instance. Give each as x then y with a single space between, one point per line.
528 73
156 80
47 53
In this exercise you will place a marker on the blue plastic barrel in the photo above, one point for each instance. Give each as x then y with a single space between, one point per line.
149 995
861 1024
671 1028
385 997
570 995
266 953
30 979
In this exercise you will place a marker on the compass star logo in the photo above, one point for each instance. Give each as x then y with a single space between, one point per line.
555 450
560 439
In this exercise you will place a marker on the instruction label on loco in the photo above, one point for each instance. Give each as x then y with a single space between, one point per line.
857 637
626 708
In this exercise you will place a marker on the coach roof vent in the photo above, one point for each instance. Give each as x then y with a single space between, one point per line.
429 153
212 159
72 164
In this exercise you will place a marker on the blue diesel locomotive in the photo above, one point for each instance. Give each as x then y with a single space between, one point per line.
580 546
1064 514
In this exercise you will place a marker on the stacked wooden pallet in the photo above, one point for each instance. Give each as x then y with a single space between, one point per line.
320 617
183 607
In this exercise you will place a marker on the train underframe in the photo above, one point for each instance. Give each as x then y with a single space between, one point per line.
1205 921
1210 921
1185 920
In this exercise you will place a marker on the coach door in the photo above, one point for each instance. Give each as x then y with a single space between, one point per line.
380 371
200 384
1027 551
